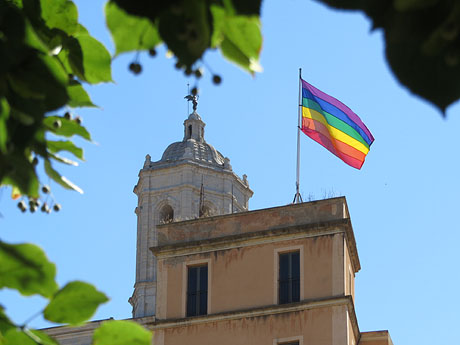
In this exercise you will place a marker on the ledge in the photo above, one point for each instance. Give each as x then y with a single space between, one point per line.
263 236
382 337
260 312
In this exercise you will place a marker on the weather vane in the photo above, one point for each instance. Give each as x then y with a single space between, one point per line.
193 99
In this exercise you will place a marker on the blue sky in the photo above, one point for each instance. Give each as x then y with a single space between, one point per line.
403 202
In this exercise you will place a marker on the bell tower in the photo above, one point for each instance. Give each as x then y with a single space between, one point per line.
191 180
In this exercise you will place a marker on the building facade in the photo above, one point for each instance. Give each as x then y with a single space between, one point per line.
208 271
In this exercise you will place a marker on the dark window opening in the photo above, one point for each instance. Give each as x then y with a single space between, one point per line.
189 131
197 290
289 277
166 214
290 343
205 211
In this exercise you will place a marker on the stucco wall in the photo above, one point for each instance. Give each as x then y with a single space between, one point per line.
246 277
349 274
321 326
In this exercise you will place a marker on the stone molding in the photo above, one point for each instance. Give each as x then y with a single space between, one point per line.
261 312
383 335
260 237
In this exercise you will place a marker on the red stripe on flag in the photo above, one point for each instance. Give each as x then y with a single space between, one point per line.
338 147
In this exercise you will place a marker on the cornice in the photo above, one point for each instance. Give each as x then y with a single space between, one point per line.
260 237
260 312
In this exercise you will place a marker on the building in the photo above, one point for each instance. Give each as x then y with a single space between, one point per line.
208 271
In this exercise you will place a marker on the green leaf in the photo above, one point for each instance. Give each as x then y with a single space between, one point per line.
16 336
5 322
74 304
130 33
69 146
26 268
404 5
33 40
40 337
239 38
20 174
18 3
10 334
187 30
122 333
78 97
60 14
63 181
63 159
4 115
41 77
67 127
87 57
234 54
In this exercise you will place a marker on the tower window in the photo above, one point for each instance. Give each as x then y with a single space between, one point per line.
189 131
205 211
166 214
289 277
197 290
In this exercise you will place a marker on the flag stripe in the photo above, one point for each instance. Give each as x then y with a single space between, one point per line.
339 146
338 105
333 132
324 141
334 111
334 121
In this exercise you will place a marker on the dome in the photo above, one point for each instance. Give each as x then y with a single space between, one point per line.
193 148
200 152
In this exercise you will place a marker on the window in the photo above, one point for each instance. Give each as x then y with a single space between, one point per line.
289 277
298 340
166 214
197 290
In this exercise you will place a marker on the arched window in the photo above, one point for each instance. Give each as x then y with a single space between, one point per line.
206 211
166 214
189 131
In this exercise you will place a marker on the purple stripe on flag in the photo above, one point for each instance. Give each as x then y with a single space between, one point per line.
339 105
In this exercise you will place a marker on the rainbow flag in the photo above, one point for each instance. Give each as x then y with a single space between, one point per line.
332 124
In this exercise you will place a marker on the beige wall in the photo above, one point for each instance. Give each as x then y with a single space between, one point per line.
349 273
319 326
246 277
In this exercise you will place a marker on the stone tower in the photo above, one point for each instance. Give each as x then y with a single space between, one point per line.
191 180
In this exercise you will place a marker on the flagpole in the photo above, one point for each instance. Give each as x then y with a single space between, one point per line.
298 197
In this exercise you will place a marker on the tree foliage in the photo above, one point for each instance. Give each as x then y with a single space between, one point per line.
189 28
47 56
422 43
26 269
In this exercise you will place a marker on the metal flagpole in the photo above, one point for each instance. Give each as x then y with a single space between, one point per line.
298 197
